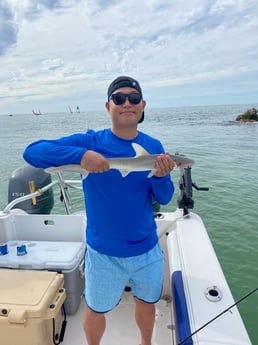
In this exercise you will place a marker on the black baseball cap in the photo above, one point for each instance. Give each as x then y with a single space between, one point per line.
125 81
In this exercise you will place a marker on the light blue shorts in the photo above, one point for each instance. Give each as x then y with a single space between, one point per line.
106 277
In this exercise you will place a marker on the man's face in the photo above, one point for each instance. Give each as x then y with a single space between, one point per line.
127 113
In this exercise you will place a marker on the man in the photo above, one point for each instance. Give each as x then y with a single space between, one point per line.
122 243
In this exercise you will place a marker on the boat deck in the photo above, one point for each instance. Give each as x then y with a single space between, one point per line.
127 332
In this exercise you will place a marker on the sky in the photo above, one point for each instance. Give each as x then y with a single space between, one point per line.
60 53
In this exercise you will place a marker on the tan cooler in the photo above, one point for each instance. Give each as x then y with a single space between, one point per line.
30 307
63 257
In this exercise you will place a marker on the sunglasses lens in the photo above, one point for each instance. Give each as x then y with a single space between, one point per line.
119 98
134 98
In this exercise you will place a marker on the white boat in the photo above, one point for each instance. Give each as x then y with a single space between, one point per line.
196 307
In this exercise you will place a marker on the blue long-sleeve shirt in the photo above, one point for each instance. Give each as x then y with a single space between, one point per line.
120 220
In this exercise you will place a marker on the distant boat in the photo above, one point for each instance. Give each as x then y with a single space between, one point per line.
36 112
71 111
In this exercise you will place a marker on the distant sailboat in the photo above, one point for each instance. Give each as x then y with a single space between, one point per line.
78 110
36 112
70 110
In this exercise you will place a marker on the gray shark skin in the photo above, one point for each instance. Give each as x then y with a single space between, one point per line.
142 161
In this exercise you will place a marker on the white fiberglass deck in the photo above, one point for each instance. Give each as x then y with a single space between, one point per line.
121 328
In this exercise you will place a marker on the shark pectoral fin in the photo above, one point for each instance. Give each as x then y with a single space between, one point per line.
139 150
151 173
124 173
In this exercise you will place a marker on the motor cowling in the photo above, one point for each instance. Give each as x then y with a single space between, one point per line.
20 184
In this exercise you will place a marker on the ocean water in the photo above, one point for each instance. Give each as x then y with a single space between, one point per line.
226 161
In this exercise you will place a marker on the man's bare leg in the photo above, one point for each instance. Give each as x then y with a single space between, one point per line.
94 325
145 318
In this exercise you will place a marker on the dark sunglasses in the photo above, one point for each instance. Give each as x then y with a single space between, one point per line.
119 98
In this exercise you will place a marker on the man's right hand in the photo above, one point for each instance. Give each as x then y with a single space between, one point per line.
94 162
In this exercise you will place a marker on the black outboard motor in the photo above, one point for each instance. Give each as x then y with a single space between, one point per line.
19 185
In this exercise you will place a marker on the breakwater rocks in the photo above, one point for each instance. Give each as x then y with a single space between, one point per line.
249 116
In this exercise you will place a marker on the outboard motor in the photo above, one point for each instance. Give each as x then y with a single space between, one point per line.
22 182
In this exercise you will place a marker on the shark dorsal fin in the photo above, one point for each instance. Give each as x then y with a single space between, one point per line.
139 150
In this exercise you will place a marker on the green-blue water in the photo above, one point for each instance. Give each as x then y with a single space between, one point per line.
226 156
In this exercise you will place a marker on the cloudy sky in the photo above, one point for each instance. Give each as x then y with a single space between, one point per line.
55 53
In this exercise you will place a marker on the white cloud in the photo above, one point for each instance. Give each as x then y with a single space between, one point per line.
55 52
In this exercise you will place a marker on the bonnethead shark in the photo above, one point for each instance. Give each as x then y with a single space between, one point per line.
142 161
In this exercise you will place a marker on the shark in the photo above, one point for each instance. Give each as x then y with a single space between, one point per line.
142 161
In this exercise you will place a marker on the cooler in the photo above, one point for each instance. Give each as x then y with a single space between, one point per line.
63 257
30 307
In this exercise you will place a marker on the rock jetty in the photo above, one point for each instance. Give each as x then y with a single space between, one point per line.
249 116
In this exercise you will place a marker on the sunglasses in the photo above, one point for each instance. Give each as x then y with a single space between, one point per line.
120 98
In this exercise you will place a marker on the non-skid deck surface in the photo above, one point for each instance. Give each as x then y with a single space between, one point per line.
121 328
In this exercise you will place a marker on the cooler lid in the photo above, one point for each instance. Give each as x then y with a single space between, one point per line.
48 255
27 294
